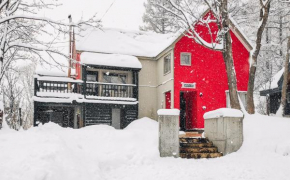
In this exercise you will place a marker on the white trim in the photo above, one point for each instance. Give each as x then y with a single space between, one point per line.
170 58
193 85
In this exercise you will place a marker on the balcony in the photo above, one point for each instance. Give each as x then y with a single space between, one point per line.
67 87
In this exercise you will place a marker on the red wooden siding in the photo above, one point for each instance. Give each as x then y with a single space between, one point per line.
207 70
168 100
78 66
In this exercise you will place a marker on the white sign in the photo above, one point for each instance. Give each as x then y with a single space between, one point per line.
189 85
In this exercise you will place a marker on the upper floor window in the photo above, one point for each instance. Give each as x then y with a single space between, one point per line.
185 59
167 64
92 76
115 78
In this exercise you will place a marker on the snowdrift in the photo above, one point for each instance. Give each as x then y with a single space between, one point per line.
101 152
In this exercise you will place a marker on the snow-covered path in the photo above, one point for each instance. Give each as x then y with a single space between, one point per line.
101 152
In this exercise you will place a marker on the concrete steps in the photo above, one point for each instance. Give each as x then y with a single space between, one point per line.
197 147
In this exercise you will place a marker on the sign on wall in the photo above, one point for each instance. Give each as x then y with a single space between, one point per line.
189 85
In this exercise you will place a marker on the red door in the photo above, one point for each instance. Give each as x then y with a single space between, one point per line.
168 100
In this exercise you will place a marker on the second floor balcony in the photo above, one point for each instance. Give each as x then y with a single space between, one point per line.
67 87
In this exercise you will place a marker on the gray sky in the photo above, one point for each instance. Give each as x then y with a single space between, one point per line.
123 14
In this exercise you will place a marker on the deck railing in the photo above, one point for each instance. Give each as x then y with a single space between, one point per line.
110 90
58 87
92 89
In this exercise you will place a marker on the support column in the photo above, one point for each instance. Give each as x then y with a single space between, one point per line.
168 132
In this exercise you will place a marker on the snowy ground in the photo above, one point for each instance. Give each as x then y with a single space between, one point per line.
103 153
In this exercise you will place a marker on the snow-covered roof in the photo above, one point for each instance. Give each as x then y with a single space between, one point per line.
117 41
53 70
137 43
112 60
274 81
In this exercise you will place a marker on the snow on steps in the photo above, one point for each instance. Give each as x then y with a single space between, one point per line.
197 147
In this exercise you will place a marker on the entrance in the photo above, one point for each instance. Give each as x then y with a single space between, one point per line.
188 110
116 118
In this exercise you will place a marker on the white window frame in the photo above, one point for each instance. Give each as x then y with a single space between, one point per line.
241 94
185 53
164 59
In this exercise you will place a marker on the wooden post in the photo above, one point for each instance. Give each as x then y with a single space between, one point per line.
285 79
70 51
168 132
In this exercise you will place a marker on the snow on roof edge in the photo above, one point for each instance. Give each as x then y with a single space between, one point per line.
112 60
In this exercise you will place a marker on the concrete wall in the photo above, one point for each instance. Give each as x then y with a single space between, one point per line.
225 132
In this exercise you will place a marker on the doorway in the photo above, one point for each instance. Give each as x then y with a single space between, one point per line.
116 118
188 110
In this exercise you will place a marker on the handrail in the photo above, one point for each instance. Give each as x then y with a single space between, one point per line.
117 84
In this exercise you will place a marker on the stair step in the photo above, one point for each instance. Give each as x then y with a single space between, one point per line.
193 140
200 155
197 145
198 150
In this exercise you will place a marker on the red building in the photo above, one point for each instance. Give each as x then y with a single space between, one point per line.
126 75
207 71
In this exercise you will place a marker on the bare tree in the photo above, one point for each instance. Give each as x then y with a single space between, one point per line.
12 92
27 82
285 78
189 12
20 32
157 19
264 14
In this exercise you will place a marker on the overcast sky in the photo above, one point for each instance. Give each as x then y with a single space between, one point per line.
123 14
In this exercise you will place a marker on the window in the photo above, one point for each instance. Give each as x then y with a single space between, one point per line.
185 59
242 95
114 78
167 64
92 76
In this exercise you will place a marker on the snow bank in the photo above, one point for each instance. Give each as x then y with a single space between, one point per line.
223 112
112 60
168 112
101 152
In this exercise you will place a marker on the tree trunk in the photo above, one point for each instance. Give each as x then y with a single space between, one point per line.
285 79
251 83
228 58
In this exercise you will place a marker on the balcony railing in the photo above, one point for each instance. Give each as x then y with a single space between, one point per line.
92 89
110 90
58 87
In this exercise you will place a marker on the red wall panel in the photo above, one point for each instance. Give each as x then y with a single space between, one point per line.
207 70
